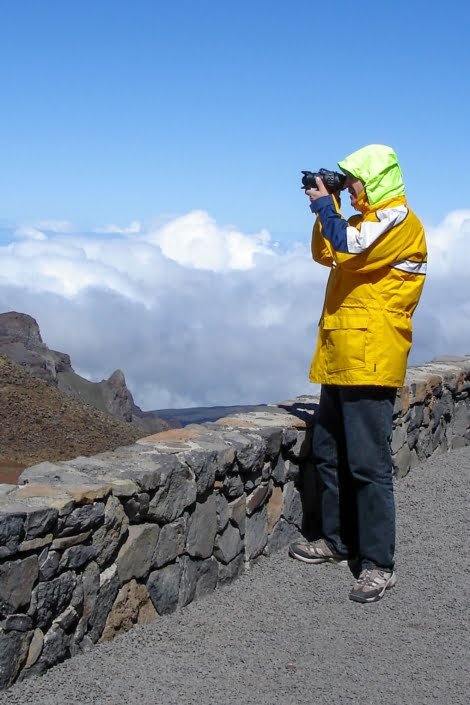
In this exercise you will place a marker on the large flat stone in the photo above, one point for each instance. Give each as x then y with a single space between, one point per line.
17 579
202 528
13 652
135 557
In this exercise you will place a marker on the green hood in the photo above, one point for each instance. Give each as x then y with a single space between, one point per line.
377 166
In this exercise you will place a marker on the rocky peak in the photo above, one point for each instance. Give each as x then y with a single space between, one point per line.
19 327
21 341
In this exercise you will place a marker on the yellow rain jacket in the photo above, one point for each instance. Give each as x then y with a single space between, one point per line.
378 266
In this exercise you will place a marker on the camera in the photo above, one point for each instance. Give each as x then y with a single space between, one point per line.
333 180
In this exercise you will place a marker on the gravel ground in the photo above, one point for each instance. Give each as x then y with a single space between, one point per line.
285 633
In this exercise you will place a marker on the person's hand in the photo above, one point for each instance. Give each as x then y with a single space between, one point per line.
319 192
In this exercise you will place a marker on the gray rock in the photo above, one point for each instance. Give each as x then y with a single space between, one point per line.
67 541
461 419
76 557
17 622
402 461
225 462
56 648
426 416
228 544
135 557
35 648
48 564
137 507
301 449
289 437
90 587
424 444
412 438
171 543
257 498
233 485
178 493
77 596
163 587
40 521
292 471
267 470
202 528
17 579
198 578
82 519
150 469
13 652
109 587
237 510
439 436
35 544
223 514
416 417
11 532
109 537
67 619
292 511
232 570
278 473
273 438
208 572
256 536
282 535
51 598
399 438
251 480
204 466
250 456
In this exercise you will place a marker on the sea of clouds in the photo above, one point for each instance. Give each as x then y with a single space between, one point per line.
196 313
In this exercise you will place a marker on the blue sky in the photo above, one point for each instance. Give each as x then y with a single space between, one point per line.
116 110
150 154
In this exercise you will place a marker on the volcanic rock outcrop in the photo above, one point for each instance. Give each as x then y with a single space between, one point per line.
21 341
38 422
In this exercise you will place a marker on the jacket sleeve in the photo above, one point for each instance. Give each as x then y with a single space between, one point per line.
363 245
322 251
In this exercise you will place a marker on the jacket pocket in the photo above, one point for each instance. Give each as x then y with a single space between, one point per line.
344 338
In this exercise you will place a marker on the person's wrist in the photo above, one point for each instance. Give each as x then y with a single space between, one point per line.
317 204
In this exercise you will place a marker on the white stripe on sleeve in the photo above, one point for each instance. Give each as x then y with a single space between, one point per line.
407 265
360 240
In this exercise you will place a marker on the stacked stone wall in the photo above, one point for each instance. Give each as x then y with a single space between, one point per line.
91 546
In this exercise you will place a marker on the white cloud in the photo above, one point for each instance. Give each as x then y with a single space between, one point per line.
440 322
132 229
29 232
38 230
196 240
195 313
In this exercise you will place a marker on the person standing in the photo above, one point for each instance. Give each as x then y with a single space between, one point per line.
378 262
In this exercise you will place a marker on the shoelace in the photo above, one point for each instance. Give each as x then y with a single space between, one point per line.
367 576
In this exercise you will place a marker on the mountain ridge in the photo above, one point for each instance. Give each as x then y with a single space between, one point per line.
21 341
38 422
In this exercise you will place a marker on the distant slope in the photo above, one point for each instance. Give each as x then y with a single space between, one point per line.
38 422
201 414
21 341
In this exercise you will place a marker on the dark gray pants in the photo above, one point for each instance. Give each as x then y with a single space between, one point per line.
351 451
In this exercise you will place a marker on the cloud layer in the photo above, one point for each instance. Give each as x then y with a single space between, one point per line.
196 313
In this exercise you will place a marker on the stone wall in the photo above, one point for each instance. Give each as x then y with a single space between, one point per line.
91 546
